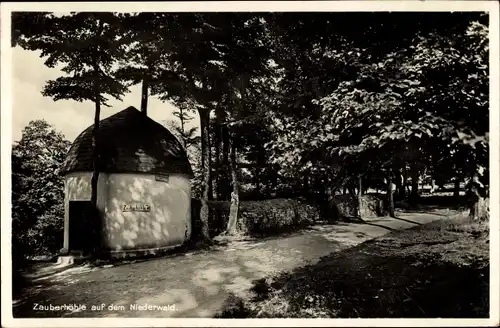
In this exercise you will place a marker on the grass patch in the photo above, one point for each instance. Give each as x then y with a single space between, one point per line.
440 269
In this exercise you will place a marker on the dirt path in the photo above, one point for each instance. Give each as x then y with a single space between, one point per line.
197 283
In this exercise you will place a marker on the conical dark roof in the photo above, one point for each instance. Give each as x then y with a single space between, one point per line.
129 141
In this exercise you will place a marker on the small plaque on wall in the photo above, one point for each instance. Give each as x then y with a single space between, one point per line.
136 208
162 177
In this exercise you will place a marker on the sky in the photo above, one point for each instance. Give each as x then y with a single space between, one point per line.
67 116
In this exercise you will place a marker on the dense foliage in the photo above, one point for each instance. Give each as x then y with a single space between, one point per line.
411 102
264 217
37 191
292 104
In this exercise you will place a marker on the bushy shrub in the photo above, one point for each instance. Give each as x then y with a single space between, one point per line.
276 215
371 205
257 217
346 205
37 192
217 219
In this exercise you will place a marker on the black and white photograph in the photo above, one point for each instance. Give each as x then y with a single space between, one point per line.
210 161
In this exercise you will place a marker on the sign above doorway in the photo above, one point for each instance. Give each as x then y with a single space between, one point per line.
136 208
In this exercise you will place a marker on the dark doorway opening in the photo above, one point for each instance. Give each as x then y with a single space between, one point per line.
80 227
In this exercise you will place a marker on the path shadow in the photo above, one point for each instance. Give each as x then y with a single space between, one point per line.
379 225
223 241
429 210
187 249
371 222
406 220
367 282
197 286
359 220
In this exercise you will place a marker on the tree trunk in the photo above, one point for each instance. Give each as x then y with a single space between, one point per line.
305 185
217 145
329 192
145 96
414 183
216 179
205 154
433 186
183 130
225 162
232 224
353 200
96 219
399 184
360 194
456 188
478 204
390 198
402 195
206 150
257 181
274 182
210 177
479 208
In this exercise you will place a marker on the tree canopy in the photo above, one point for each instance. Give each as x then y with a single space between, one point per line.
289 99
37 190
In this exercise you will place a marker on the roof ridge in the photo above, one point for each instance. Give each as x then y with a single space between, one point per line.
130 109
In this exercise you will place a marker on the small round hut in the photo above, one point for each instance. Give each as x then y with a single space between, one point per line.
143 188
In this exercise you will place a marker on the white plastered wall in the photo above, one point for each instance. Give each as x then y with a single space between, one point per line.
168 223
77 187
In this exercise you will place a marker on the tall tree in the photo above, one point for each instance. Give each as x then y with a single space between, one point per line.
240 40
37 191
86 46
191 143
184 118
187 136
189 78
149 48
206 58
386 99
